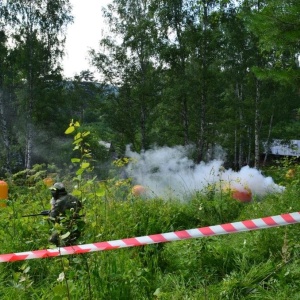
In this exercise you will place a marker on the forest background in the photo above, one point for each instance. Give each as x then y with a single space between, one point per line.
174 72
212 74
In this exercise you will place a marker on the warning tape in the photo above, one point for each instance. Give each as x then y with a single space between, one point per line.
267 222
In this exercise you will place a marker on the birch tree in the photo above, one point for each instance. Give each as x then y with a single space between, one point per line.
37 33
3 122
125 59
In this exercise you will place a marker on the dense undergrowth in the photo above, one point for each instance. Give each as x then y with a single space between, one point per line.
261 264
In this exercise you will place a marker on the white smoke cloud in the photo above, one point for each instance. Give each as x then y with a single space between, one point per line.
168 172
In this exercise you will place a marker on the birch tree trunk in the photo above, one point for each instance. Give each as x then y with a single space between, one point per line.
29 129
257 124
203 101
4 132
239 93
268 139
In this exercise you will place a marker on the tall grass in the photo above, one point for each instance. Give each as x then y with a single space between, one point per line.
261 264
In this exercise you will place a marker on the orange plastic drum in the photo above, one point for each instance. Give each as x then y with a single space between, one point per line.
138 190
48 181
3 193
242 196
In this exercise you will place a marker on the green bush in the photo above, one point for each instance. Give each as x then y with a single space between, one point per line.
261 264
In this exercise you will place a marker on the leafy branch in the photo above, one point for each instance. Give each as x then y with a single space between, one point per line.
81 146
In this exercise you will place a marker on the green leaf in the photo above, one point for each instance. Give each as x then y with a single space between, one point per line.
100 193
76 193
75 160
157 292
78 141
86 133
60 290
85 165
77 136
64 236
79 171
70 130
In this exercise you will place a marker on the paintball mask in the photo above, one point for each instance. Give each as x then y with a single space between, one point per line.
57 190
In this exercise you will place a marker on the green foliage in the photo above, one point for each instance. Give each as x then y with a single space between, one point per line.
252 265
190 78
30 177
279 19
82 146
31 74
200 75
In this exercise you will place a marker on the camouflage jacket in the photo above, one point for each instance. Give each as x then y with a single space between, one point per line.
64 203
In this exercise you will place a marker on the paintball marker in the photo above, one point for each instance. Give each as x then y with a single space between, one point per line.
42 213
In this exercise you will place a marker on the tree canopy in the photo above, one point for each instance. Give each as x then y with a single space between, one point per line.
205 73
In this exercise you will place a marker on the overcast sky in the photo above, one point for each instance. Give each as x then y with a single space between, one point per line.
83 34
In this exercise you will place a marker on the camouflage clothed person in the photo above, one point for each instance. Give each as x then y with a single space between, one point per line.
65 210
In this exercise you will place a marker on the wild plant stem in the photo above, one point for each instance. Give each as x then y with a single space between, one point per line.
65 278
89 277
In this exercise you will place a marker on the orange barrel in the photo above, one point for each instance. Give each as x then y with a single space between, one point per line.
48 181
242 196
138 190
3 193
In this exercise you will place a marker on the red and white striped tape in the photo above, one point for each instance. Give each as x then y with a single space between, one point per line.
267 222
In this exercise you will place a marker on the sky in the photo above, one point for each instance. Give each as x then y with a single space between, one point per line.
83 34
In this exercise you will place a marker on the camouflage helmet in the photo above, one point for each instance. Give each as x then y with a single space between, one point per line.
58 186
